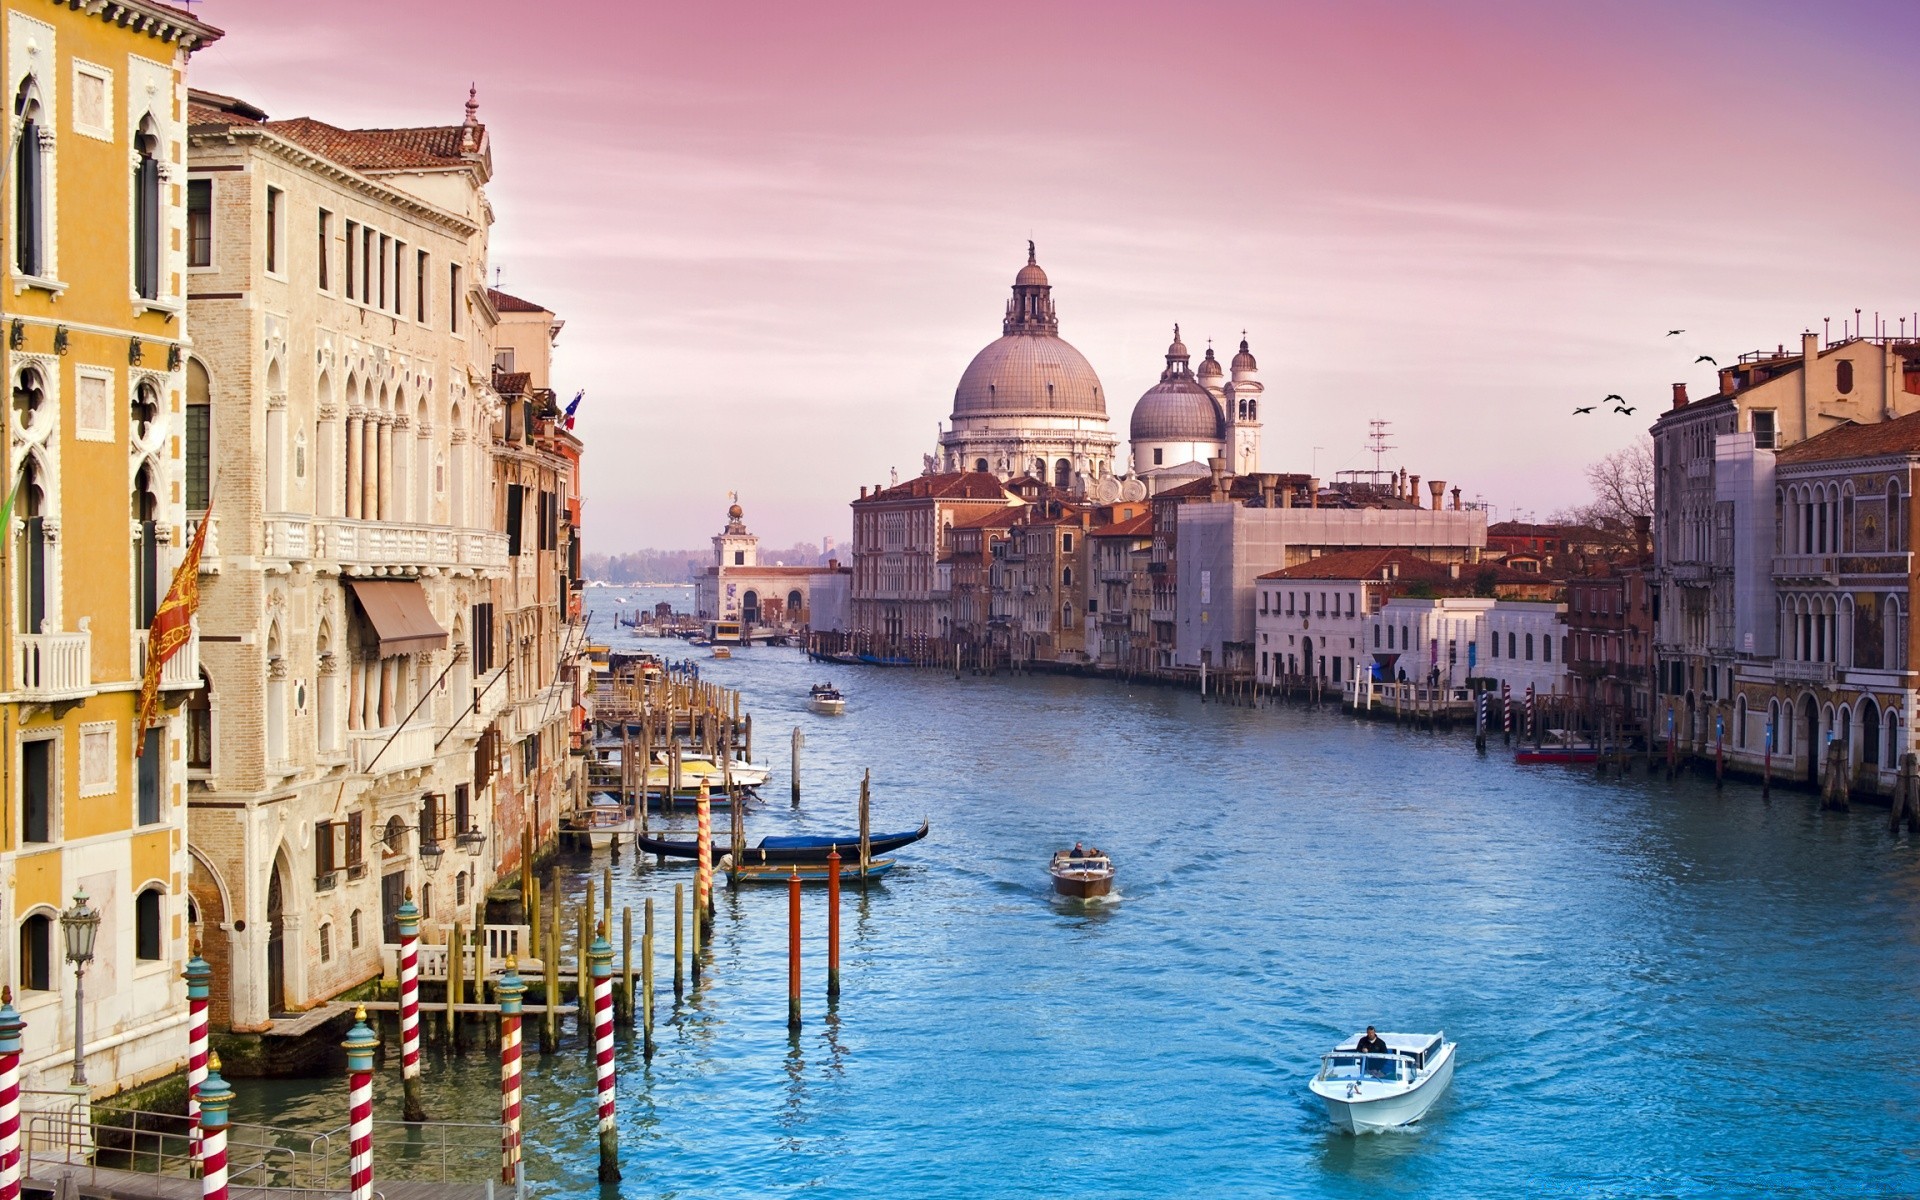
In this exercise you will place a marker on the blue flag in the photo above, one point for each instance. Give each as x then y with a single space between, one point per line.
573 406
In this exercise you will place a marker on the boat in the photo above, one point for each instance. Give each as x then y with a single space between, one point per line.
1083 876
604 822
810 872
826 700
720 651
695 771
794 848
1561 746
1371 1092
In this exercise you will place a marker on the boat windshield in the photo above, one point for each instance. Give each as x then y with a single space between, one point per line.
1350 1065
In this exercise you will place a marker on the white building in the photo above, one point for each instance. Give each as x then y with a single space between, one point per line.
1189 418
739 587
1526 645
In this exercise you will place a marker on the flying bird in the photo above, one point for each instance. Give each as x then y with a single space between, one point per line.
1615 398
1675 332
1578 411
1624 410
1707 358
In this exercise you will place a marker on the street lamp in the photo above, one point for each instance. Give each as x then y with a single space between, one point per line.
81 924
430 853
472 839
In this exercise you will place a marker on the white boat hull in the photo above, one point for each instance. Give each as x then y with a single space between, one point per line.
827 708
1369 1107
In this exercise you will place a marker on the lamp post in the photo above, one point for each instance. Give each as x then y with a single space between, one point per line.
81 924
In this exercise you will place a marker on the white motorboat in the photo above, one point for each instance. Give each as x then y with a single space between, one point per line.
695 771
826 700
1370 1092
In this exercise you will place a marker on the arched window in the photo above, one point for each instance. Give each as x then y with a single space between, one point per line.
1529 647
353 929
1062 473
146 925
426 901
1066 616
198 442
1843 376
1066 576
980 465
36 953
200 726
1546 648
1890 743
1896 527
326 942
795 603
30 185
1513 643
145 510
146 211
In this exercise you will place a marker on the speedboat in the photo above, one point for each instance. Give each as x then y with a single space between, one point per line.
1081 876
1370 1092
826 700
695 771
604 822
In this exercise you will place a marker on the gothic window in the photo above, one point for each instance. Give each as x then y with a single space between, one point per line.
200 223
145 505
1062 473
198 448
146 211
200 726
29 184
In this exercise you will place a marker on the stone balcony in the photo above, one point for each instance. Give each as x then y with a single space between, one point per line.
49 667
1789 671
182 671
378 547
384 751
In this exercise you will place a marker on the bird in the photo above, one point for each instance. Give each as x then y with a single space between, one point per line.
1675 332
1578 411
1624 410
1707 358
1615 397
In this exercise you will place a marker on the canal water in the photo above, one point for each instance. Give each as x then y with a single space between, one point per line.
1657 989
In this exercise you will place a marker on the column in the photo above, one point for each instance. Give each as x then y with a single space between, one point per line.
387 671
385 481
356 693
370 467
354 425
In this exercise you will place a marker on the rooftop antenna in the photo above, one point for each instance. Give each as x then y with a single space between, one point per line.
496 277
1377 434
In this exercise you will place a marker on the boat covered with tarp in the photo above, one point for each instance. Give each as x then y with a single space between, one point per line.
785 848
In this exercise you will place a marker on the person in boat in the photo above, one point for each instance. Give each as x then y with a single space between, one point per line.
1371 1043
1077 851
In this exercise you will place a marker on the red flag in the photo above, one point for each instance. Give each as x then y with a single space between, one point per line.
172 626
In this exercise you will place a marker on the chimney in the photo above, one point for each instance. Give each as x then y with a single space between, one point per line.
1286 496
1219 468
1266 491
1413 490
1313 493
863 491
1679 395
1439 489
1456 499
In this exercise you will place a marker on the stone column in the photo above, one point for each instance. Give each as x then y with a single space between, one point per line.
354 424
389 668
370 467
356 694
385 481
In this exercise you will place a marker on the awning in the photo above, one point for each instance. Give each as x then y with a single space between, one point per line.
400 615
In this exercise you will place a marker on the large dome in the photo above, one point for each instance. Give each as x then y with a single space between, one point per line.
1177 409
1029 373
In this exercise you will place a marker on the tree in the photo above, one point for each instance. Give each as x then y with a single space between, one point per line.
1622 484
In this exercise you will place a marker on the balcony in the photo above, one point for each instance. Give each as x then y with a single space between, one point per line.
369 547
1804 566
179 673
48 667
1820 673
409 749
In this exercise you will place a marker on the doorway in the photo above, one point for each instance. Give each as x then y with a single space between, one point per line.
276 944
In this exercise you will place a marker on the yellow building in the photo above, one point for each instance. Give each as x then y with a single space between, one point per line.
94 311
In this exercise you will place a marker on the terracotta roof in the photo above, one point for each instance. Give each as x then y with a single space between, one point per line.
512 383
1368 565
999 518
206 108
954 485
502 302
1898 436
380 149
1140 526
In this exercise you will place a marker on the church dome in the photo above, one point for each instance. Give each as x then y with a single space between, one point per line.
1209 366
1177 409
1243 361
1030 373
1030 276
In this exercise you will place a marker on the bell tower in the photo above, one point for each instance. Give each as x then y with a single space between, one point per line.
734 546
1242 403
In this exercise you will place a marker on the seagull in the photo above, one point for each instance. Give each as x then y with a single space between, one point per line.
1675 332
1707 358
1624 410
1578 411
1614 397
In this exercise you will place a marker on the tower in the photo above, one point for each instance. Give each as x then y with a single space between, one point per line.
734 546
1243 411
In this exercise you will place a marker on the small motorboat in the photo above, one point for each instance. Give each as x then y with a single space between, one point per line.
1370 1092
826 700
809 872
1081 874
603 822
696 771
789 848
722 652
1561 746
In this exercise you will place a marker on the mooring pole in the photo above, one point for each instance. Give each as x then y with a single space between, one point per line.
833 922
11 1027
408 918
359 1046
793 950
601 955
199 977
679 940
646 983
799 739
510 991
215 1098
623 999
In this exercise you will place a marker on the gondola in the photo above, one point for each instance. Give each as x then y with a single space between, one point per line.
798 848
813 871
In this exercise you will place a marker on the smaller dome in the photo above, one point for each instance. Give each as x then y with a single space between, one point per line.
1243 361
1030 276
1209 366
1177 410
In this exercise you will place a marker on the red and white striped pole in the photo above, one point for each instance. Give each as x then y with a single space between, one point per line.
360 1045
215 1098
703 873
510 989
199 978
408 918
11 1026
600 961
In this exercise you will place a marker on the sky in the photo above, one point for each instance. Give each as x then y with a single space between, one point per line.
778 232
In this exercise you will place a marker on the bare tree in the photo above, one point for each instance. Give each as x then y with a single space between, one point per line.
1622 483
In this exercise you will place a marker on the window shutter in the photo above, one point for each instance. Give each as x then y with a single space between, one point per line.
515 500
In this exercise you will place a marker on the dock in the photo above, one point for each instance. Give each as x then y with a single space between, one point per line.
86 1182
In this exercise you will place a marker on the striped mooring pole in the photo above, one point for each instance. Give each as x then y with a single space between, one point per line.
510 989
360 1045
199 977
215 1098
703 870
1506 705
408 918
11 1026
601 958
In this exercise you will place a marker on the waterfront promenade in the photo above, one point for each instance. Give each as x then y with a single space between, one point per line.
1659 990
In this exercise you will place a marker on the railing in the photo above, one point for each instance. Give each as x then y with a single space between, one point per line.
498 941
365 544
1803 566
385 750
182 670
1789 671
53 666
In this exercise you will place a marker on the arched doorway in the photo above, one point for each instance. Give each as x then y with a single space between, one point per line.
1870 732
1306 655
276 942
750 608
1810 736
795 605
1062 474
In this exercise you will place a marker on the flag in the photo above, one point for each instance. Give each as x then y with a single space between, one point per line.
573 406
6 510
172 626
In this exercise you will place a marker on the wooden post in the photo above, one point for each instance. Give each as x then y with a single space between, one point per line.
645 766
866 840
582 969
793 950
646 983
625 995
1902 793
456 989
679 939
533 921
833 922
747 755
799 740
606 887
550 1026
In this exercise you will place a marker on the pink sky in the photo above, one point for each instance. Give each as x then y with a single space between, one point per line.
778 233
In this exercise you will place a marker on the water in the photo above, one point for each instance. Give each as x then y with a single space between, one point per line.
1658 990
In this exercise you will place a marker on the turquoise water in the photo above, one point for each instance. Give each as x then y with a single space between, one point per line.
1658 990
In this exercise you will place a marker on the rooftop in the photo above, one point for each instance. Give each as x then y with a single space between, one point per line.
502 302
1898 436
952 485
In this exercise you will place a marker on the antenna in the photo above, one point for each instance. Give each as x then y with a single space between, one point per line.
1377 434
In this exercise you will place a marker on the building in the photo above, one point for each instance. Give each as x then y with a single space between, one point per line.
1188 419
1713 535
739 587
899 535
341 357
1610 639
97 244
1029 403
1118 637
1526 646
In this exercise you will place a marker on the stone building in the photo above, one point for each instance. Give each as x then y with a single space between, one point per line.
1117 634
96 313
340 371
899 535
739 587
1189 418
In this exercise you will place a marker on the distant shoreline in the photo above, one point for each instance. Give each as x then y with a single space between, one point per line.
644 583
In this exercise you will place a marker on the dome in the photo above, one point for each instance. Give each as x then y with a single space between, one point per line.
1030 276
1029 373
1177 409
1243 361
1209 366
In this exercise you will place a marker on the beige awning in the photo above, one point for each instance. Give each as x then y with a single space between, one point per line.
400 615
